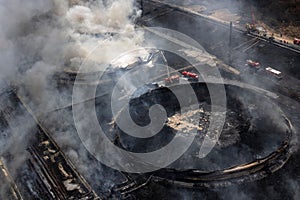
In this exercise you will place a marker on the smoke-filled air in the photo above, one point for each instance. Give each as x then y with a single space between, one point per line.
149 99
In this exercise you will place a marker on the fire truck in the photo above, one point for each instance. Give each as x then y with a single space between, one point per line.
190 75
252 63
171 80
296 41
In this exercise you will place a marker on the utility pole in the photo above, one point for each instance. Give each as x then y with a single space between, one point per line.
230 44
142 7
166 63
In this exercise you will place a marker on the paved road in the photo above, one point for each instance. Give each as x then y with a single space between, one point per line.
214 37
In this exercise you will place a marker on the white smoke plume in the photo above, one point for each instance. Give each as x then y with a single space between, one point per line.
39 38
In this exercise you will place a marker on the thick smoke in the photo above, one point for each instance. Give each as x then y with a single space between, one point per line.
15 38
41 38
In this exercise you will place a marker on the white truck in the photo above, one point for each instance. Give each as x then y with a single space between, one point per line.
274 72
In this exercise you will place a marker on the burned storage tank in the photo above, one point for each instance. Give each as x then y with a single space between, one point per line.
255 140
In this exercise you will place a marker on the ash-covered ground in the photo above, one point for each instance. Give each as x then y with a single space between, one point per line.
44 43
250 131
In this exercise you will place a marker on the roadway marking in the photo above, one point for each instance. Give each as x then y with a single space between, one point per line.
244 43
251 46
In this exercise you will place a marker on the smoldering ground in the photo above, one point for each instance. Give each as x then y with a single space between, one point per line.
40 38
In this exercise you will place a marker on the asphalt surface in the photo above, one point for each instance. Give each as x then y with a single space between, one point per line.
214 37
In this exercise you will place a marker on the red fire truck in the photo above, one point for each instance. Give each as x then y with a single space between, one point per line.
296 41
252 63
190 75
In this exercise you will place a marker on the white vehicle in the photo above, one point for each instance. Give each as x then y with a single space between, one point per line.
274 72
